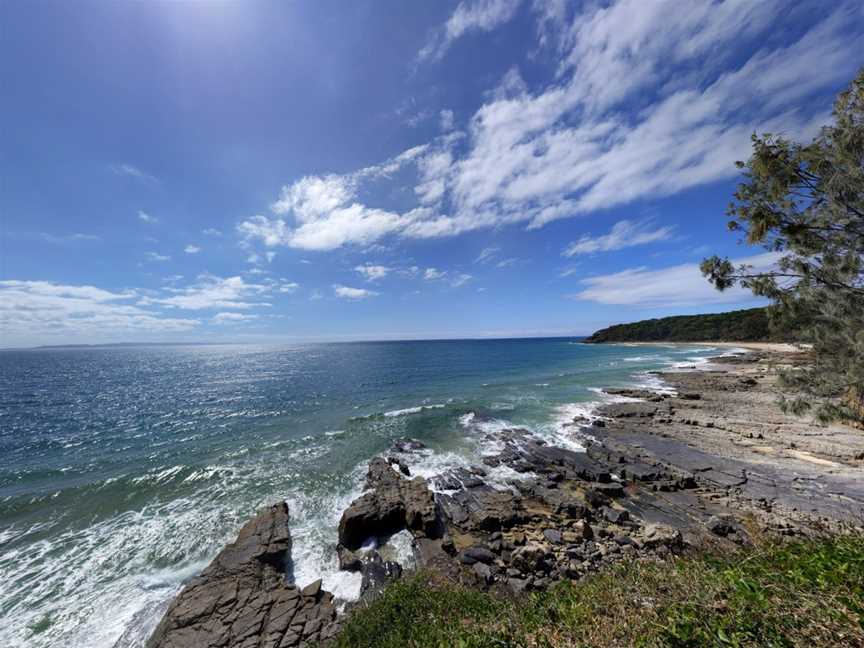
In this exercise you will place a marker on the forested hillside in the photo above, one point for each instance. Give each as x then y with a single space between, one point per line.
749 325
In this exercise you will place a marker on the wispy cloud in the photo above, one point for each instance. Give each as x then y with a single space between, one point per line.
232 318
347 292
132 171
446 120
211 231
470 15
68 238
624 234
155 256
144 217
486 254
192 249
569 270
612 128
460 279
455 279
675 286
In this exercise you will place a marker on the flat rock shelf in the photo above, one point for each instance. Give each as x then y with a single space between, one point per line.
701 463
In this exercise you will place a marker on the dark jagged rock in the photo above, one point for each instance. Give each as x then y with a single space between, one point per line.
377 574
721 526
393 503
642 394
242 599
401 465
408 445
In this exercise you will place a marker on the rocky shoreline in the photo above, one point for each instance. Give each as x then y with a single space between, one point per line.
706 462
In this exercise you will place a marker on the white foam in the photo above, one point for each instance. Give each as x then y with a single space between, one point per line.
466 419
413 410
400 547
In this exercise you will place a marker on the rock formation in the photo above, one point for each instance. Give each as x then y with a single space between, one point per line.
244 600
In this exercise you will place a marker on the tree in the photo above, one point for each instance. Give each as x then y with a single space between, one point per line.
806 204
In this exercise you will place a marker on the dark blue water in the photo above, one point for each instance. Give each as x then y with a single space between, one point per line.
124 470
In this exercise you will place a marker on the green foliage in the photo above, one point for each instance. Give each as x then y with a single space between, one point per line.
808 593
738 326
806 203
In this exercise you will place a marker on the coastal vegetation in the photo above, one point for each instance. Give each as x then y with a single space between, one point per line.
749 325
805 204
802 593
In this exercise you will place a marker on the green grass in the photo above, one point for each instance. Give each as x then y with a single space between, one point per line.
806 593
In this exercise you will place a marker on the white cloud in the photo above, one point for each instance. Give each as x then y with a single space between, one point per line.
624 234
346 292
646 103
232 318
675 286
470 15
325 215
210 231
68 238
455 279
210 292
507 263
570 270
144 217
286 286
33 312
460 279
569 149
372 272
446 122
486 254
155 256
192 249
132 171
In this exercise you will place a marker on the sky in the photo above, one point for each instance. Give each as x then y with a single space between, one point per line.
329 170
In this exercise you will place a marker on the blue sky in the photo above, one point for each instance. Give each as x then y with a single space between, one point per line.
282 171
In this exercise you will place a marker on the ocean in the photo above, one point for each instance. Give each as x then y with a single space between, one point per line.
124 470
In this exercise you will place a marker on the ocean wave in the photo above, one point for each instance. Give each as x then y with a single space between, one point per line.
413 410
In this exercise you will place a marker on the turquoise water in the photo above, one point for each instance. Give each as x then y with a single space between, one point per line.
124 470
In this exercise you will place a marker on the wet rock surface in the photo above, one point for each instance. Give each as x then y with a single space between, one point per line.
644 488
693 467
244 600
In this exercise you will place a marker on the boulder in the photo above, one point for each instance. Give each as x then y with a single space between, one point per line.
553 536
657 535
530 558
483 573
614 515
479 554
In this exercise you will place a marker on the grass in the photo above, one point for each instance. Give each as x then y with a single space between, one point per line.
803 593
